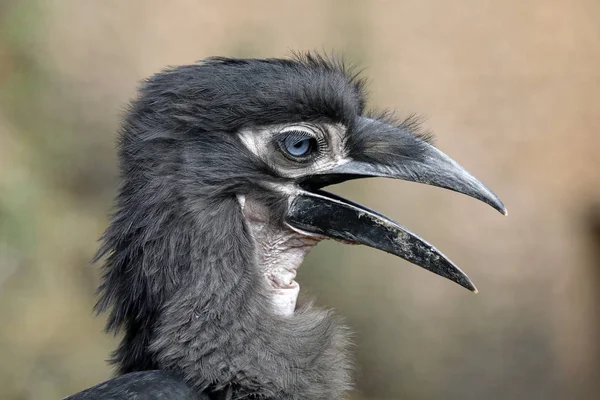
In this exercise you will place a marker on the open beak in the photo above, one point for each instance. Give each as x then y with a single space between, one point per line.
318 212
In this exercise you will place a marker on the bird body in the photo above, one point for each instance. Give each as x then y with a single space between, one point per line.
142 385
220 200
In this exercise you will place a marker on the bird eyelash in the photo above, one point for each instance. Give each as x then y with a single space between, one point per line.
296 134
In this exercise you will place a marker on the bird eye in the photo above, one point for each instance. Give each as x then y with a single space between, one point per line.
298 144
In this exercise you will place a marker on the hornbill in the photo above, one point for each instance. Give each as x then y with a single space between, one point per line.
222 168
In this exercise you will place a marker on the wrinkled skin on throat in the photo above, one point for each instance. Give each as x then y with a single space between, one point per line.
279 253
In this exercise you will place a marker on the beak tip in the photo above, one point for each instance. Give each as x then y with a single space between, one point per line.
499 205
469 286
465 282
496 203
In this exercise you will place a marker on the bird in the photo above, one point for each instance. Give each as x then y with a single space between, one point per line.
223 164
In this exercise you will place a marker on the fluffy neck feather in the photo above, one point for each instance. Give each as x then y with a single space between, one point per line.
185 288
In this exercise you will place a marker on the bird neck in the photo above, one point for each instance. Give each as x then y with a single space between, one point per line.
186 290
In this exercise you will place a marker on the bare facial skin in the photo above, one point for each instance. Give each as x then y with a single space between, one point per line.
260 142
279 253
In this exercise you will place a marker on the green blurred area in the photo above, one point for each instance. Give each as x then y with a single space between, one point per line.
512 90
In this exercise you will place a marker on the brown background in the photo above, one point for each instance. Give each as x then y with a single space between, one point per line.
512 90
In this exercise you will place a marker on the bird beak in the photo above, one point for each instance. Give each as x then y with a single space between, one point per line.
317 212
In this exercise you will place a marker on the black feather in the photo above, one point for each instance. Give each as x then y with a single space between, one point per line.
146 385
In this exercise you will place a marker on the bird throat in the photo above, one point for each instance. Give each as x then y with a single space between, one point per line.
279 253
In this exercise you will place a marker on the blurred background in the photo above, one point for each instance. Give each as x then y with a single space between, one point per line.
512 90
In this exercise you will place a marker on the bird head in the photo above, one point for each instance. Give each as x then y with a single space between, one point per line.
269 135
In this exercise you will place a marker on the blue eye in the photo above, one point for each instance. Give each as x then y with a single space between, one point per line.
298 144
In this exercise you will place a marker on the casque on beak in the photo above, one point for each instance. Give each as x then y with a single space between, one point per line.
384 154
